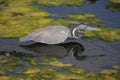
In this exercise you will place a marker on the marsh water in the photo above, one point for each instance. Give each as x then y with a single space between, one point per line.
96 55
84 53
97 7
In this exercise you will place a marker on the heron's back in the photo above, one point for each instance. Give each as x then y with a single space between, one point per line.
49 35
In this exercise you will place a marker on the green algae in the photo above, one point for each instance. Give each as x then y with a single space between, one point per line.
114 5
37 71
60 2
32 71
59 64
85 18
108 72
106 34
77 71
115 1
16 23
116 67
19 18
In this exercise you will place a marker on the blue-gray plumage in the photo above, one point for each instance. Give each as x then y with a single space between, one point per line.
56 34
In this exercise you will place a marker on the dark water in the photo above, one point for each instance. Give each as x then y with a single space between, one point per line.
99 8
92 56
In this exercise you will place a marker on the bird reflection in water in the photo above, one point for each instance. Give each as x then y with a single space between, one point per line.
57 50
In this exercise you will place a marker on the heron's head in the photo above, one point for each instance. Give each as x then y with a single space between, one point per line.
78 31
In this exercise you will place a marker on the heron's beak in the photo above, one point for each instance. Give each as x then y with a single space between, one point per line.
92 28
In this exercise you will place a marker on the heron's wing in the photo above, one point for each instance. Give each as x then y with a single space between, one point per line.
52 35
49 35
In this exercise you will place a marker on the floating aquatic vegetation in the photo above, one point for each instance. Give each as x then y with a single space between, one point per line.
60 2
3 4
78 71
85 18
106 34
116 67
20 68
63 22
32 71
115 1
20 18
2 72
59 64
114 5
108 72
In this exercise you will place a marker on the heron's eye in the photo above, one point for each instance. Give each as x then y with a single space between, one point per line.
80 31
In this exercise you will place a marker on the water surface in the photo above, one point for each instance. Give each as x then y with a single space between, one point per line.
86 54
99 8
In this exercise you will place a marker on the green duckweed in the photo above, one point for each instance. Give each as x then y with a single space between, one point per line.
47 73
60 2
59 64
116 67
109 78
108 72
77 71
85 18
114 5
115 1
32 71
24 70
2 71
20 18
5 78
106 34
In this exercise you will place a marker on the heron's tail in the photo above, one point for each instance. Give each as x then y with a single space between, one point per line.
25 38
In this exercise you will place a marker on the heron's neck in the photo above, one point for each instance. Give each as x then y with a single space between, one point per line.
73 33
